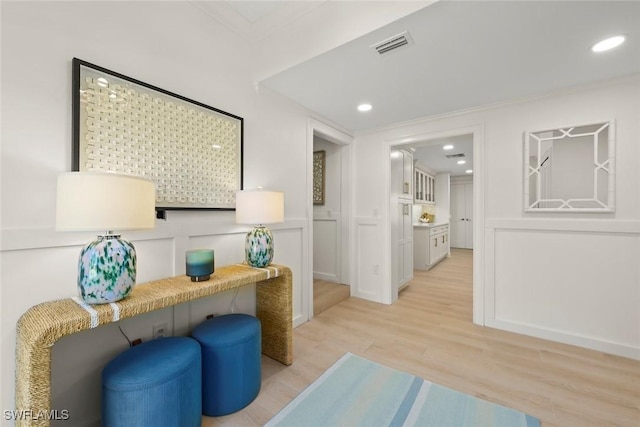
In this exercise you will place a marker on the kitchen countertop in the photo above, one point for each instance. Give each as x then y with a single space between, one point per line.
430 224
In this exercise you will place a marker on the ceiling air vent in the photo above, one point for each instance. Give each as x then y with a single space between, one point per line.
399 40
454 156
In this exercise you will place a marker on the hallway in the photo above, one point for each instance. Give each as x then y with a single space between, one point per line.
429 333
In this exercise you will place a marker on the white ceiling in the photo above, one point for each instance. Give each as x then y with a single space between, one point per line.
465 54
431 154
256 20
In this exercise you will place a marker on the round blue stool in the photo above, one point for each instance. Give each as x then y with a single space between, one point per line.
155 384
231 362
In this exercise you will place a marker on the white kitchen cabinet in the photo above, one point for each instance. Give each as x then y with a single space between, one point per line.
402 236
430 245
424 187
402 174
401 218
438 244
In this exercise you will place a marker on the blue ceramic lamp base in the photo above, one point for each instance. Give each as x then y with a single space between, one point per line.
259 247
106 270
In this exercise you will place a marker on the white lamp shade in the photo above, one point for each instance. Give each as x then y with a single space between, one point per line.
89 201
259 207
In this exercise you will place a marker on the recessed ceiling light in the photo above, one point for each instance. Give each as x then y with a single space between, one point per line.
469 171
462 162
448 147
102 82
607 44
364 107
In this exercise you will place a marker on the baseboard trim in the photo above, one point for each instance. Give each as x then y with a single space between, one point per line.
566 338
327 277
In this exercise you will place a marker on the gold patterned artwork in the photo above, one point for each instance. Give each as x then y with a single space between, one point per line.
318 177
190 151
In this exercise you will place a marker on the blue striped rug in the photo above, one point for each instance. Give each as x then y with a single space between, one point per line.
358 392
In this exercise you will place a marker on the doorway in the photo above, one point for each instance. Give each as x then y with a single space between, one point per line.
437 141
329 287
333 265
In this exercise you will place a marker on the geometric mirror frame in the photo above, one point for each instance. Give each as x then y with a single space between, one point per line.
570 169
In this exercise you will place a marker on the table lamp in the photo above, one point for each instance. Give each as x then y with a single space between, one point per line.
90 201
259 207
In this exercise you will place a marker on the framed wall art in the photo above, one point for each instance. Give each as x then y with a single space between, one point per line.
191 151
318 176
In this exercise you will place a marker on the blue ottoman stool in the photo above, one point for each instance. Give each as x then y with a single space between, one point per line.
231 362
155 384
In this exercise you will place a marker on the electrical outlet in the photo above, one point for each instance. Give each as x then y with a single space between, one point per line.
160 330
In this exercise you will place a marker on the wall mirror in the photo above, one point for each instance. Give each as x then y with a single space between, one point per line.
570 169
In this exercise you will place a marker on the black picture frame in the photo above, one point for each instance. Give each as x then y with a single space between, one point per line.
192 152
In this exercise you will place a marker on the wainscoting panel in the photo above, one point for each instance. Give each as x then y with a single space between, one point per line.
289 251
368 242
326 249
51 258
155 259
228 248
580 285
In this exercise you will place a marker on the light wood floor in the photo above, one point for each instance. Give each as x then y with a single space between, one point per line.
429 333
327 294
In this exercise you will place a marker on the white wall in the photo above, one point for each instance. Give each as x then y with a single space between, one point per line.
327 220
568 277
170 45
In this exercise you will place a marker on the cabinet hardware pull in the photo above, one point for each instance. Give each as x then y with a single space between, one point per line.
436 239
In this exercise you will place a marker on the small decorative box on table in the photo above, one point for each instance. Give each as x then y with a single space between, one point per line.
42 325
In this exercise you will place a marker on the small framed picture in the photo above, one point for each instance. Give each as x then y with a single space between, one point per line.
318 177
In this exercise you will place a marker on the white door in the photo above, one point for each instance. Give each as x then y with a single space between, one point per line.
461 215
468 235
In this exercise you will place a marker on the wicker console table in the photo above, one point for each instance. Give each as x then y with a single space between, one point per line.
42 325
